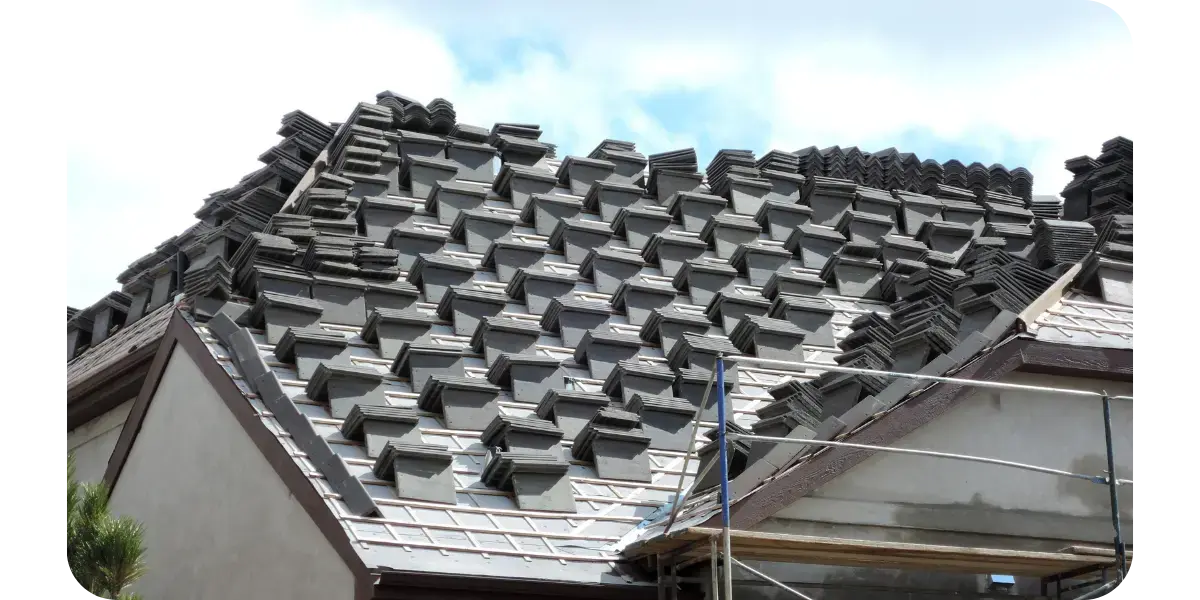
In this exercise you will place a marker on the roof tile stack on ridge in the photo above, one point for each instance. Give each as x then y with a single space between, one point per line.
890 169
1103 187
730 162
315 248
153 280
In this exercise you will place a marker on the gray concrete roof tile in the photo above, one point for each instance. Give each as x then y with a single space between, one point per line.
486 490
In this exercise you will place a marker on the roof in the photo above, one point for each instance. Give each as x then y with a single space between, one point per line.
142 335
485 532
572 527
1079 319
113 371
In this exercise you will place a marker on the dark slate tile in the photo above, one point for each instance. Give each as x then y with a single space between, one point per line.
423 472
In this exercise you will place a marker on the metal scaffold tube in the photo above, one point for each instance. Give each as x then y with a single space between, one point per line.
1118 542
722 442
767 578
688 455
1101 479
713 566
1100 591
688 493
995 385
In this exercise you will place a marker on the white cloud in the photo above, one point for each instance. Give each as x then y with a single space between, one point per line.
170 103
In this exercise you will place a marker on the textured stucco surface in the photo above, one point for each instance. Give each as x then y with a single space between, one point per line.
1050 430
913 499
219 522
93 442
849 583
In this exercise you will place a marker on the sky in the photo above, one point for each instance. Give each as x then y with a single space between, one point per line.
173 101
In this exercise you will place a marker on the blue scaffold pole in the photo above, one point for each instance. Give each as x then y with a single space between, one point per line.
724 458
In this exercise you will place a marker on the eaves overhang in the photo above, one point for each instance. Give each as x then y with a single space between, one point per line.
396 585
111 373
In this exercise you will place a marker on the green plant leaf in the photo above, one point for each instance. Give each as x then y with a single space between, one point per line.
72 486
105 554
117 556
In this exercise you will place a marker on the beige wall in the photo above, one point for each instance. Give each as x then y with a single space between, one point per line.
914 499
219 522
942 501
93 442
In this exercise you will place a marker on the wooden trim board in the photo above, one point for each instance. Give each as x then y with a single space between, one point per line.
787 548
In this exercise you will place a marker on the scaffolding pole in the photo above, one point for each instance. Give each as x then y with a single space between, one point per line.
712 562
1100 479
728 554
687 494
767 578
688 455
1118 543
1100 591
723 439
995 385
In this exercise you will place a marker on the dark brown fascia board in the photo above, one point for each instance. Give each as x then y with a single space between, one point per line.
419 585
116 389
108 388
1019 354
180 334
1112 364
138 358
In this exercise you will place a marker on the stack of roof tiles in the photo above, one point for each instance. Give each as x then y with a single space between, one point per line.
926 254
890 169
1103 185
198 260
567 316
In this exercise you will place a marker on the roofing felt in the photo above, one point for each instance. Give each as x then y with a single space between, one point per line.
486 531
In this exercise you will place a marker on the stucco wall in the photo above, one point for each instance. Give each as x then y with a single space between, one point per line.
93 442
848 583
928 500
1061 432
219 522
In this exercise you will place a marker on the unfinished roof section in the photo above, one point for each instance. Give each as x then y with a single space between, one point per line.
1083 320
105 336
1094 308
1074 287
552 323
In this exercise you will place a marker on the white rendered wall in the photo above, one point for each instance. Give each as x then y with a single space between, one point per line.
93 442
219 522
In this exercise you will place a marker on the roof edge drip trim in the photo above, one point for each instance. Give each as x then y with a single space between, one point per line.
401 583
353 492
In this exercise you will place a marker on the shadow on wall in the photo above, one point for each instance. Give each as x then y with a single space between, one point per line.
1094 496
